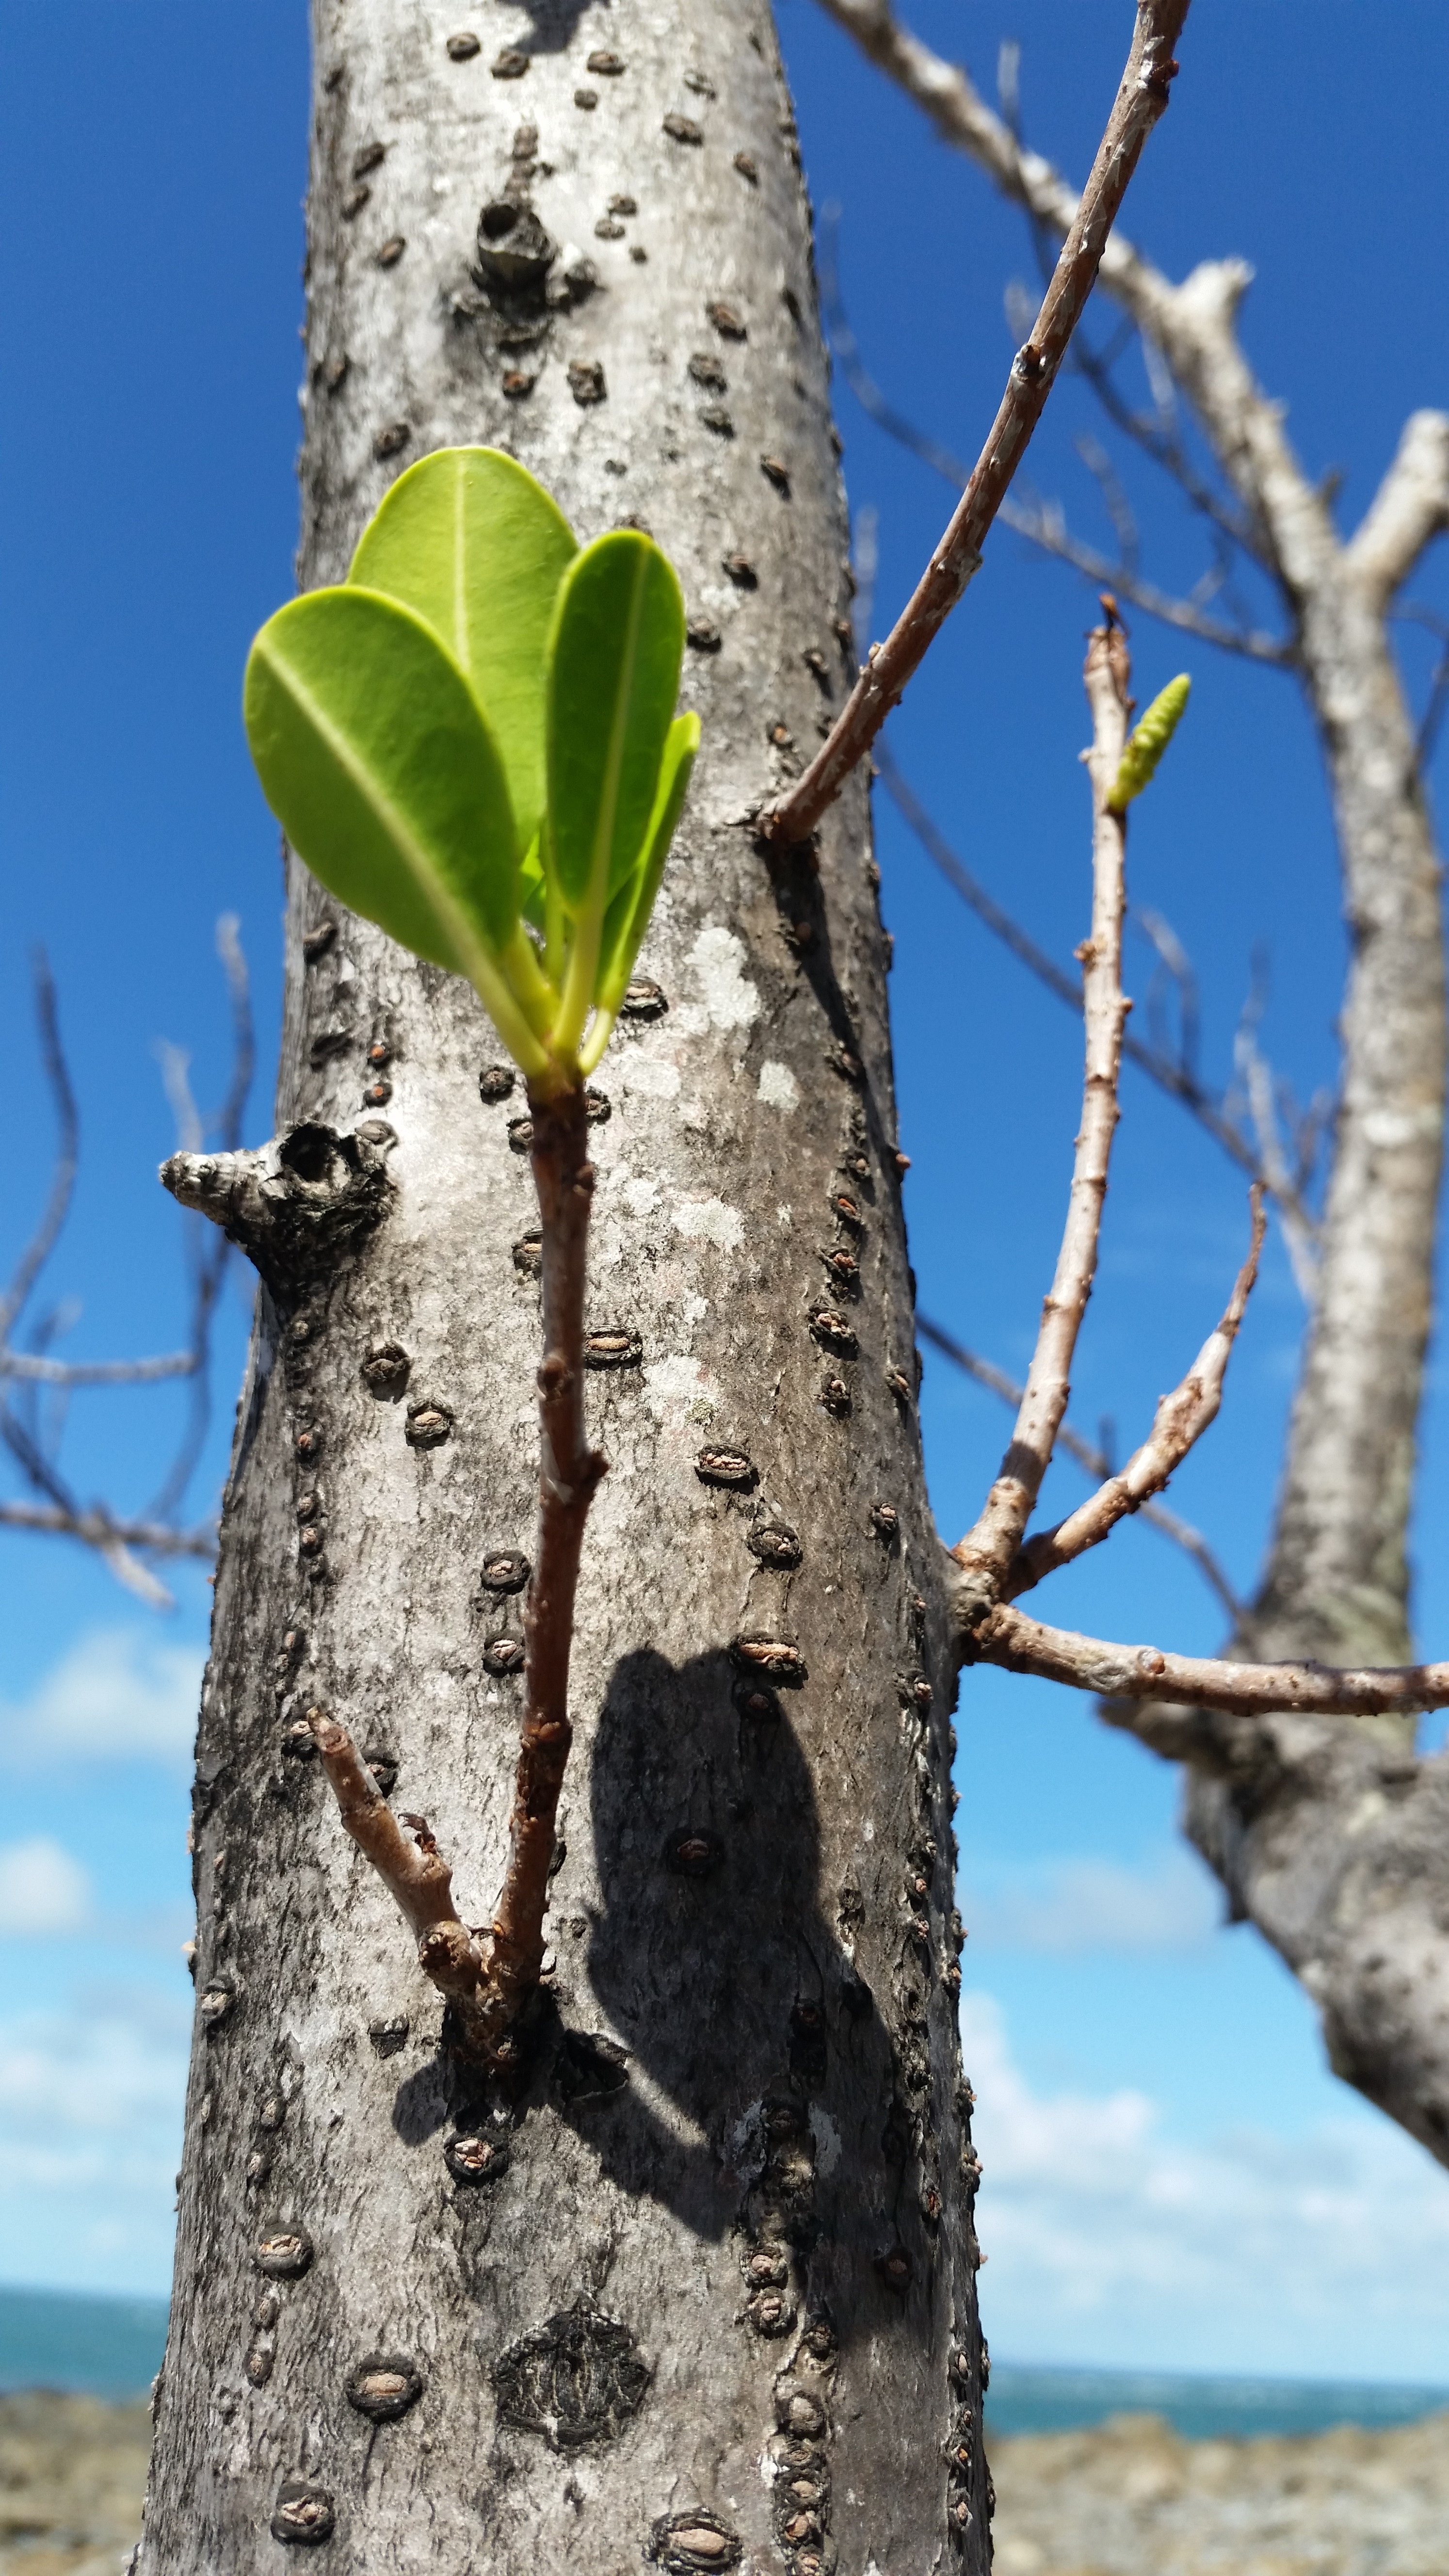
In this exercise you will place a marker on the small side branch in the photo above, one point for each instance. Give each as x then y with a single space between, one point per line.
989 1550
1179 1423
414 1872
37 1370
98 1529
67 1153
1140 102
1088 1455
1409 509
1007 1637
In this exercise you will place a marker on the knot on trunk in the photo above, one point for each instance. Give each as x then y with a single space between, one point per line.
297 1206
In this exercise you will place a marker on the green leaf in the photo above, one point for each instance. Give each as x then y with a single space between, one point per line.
1147 742
378 762
614 659
477 548
628 915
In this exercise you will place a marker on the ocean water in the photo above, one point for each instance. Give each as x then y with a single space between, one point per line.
1202 2408
57 2339
113 2348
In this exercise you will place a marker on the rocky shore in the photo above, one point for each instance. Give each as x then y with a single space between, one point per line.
1129 2498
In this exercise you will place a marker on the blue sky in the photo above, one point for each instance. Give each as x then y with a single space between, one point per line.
1172 2176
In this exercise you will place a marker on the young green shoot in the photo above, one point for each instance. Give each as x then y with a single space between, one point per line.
472 741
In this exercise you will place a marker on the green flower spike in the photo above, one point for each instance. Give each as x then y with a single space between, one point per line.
472 742
1147 742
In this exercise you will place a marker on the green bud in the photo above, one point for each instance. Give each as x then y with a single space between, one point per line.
1147 742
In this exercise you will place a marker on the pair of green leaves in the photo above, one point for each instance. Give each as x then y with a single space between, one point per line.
473 739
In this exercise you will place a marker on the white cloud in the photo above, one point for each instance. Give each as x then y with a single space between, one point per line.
42 1890
117 1696
90 2134
1109 2242
1070 1906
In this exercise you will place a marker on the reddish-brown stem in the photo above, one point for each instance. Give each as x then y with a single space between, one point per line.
488 1985
1139 103
569 1473
414 1871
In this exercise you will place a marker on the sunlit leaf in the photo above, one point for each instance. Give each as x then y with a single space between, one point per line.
470 541
628 915
380 766
614 659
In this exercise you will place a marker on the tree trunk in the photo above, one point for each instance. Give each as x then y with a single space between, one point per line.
699 2282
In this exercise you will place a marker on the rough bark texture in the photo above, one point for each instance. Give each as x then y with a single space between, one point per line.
1324 1833
699 2284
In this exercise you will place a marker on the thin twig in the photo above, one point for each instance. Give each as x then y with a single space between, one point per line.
1041 523
1088 1455
1171 1078
988 1550
1007 1637
1412 612
1178 1424
67 1153
41 1371
1140 101
1175 963
1256 1076
97 1528
210 1249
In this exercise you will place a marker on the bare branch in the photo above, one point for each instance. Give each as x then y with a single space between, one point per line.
413 1872
1409 509
1178 1424
57 1207
98 1529
1256 1076
961 117
1088 1455
1192 325
1114 500
1007 1637
1140 102
210 1251
1041 523
1176 966
989 1549
1170 1077
41 1371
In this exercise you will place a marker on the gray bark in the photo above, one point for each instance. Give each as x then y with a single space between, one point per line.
704 2283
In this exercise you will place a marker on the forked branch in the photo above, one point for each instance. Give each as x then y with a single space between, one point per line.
1088 1454
1140 102
1179 1423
